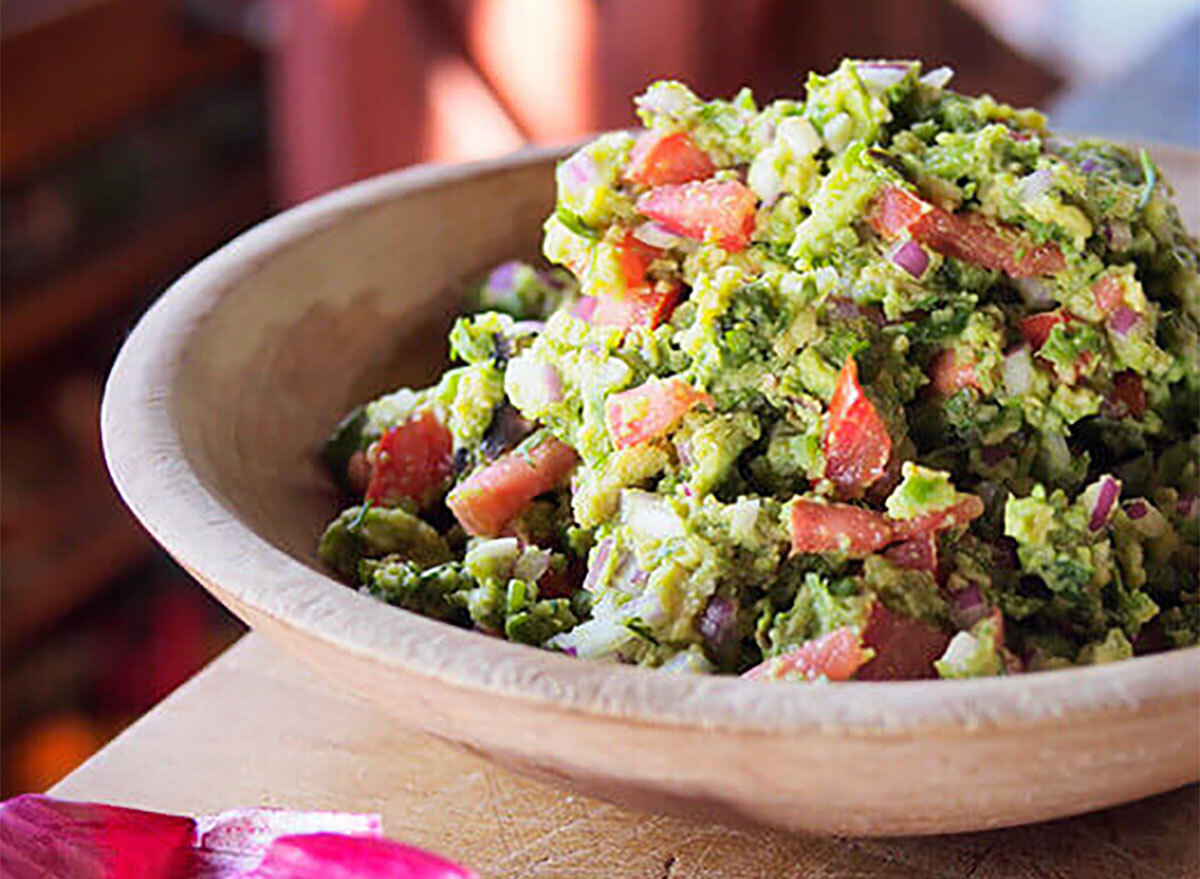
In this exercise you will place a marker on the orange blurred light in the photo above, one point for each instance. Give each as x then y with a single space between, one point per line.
465 122
538 56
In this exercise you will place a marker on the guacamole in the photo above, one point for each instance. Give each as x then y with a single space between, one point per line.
883 382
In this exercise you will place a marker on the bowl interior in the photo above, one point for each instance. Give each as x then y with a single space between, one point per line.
345 312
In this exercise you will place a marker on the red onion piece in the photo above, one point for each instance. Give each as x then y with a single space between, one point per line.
1123 320
968 606
910 256
1106 498
503 276
1034 186
993 455
599 561
1087 166
1136 509
717 621
577 174
583 308
840 308
1117 234
41 836
1187 504
334 856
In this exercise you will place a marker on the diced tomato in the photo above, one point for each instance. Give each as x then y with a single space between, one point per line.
905 648
650 410
966 510
821 527
722 210
970 237
857 444
647 307
667 157
1109 293
948 376
413 460
896 211
1036 327
488 499
635 258
835 656
981 241
918 553
1127 397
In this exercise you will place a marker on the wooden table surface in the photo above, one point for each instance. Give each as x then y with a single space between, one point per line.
256 729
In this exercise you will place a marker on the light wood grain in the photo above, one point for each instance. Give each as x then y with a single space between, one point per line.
223 392
256 728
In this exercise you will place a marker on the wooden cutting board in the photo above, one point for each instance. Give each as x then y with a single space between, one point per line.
256 729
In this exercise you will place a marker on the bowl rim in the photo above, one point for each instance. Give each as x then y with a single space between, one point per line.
149 465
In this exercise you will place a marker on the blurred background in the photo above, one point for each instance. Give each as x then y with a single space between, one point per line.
138 135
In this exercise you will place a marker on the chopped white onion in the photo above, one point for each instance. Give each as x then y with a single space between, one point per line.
667 99
531 564
598 638
939 77
743 516
690 661
1018 371
656 235
649 516
798 135
498 554
764 177
533 385
878 77
1033 186
838 131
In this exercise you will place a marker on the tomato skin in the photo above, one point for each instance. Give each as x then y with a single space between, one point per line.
919 553
948 377
970 237
905 649
822 527
488 499
1108 293
720 209
649 307
895 211
662 158
857 444
1127 397
966 510
1036 327
413 460
835 656
650 410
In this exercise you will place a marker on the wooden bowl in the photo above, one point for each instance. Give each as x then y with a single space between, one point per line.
212 419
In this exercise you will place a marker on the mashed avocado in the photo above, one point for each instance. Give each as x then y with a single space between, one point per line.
881 382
